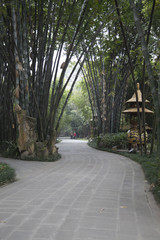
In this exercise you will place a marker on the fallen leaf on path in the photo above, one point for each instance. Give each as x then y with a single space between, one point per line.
101 210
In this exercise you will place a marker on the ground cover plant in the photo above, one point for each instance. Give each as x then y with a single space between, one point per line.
7 174
10 150
50 158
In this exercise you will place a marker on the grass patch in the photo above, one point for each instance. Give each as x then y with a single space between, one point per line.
7 174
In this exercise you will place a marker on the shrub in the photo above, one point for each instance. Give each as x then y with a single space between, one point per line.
50 158
9 149
120 140
108 141
7 174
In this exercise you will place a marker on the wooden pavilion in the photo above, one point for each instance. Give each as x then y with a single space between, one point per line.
133 132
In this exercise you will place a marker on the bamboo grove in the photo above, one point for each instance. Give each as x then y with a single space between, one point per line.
34 35
115 43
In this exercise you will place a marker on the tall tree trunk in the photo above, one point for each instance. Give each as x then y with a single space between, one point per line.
14 21
143 78
152 81
132 71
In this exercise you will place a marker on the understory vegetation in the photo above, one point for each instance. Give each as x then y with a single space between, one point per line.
109 141
10 150
7 174
50 158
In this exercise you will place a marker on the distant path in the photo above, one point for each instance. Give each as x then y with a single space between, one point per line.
86 195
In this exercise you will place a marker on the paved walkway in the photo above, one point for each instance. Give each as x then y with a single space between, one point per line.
86 195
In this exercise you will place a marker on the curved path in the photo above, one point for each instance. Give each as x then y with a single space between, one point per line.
86 195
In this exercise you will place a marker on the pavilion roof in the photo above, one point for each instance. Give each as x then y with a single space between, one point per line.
139 94
135 110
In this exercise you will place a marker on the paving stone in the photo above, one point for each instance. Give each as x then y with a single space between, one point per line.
45 231
99 223
64 235
103 203
47 205
29 225
98 234
12 204
61 209
55 219
86 195
19 235
39 214
121 236
70 224
27 209
7 210
4 216
5 231
16 219
104 212
74 213
127 227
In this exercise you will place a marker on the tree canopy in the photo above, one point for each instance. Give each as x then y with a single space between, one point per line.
115 43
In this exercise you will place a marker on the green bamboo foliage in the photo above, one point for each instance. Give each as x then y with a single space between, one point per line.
7 81
40 31
107 86
33 37
154 80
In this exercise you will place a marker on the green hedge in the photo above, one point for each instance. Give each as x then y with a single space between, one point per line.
7 174
108 141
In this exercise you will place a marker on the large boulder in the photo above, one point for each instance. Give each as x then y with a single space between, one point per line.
41 150
27 133
27 137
